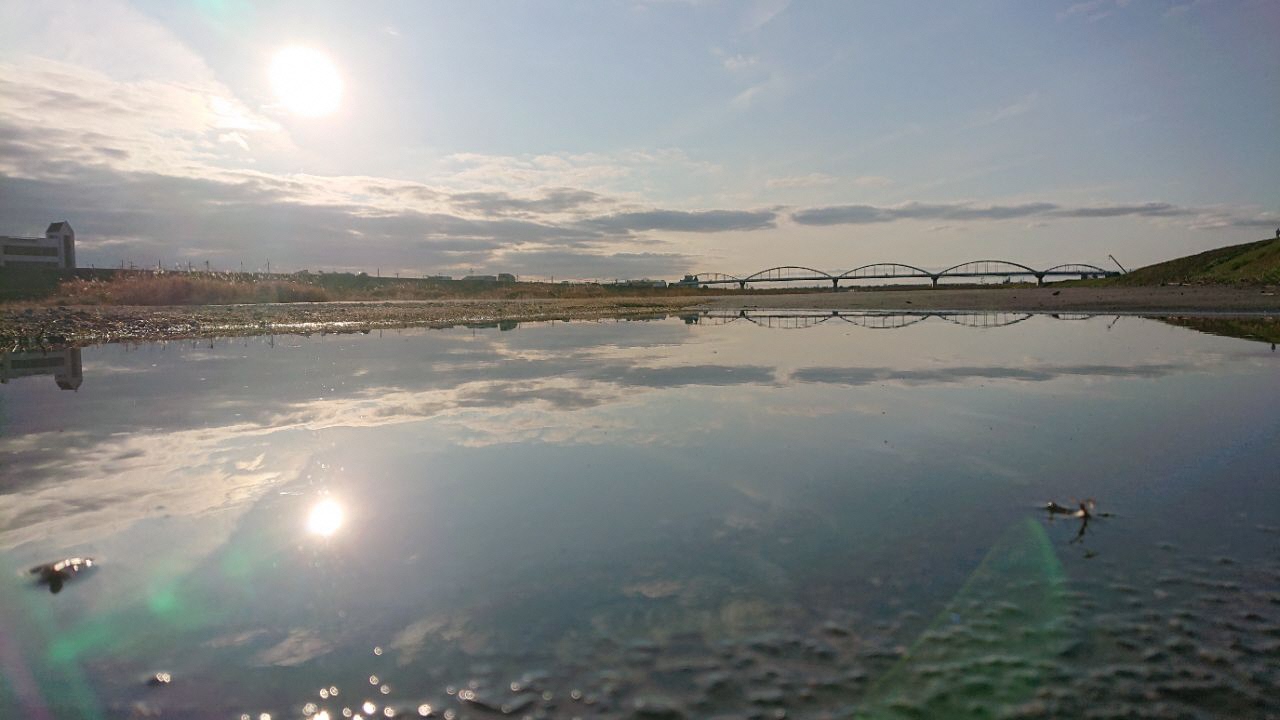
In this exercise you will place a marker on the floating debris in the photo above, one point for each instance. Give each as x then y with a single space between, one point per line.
54 574
1085 510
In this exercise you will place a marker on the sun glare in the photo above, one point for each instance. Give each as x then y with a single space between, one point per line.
305 81
325 518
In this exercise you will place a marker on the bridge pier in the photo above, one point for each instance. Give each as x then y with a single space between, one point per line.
934 278
742 284
1040 280
835 284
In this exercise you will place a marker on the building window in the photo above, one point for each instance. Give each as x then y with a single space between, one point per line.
31 251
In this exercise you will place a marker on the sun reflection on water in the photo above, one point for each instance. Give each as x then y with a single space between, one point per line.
325 518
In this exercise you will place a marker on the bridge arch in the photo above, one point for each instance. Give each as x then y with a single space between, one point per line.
985 319
884 321
1021 269
786 322
917 272
1078 267
763 275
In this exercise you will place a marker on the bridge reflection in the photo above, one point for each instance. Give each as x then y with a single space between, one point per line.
870 319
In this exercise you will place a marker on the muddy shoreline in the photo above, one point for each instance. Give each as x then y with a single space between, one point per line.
24 327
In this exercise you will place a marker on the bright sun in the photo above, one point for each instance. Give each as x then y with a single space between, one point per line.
305 81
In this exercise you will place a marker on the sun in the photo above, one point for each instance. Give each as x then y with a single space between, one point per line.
325 518
305 81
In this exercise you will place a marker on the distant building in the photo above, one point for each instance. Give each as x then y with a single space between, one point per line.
63 365
645 282
440 278
57 249
506 277
480 278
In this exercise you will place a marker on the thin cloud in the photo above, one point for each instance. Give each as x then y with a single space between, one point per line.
800 181
967 212
867 214
701 221
852 376
1021 106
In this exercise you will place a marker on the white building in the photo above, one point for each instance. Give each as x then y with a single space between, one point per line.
57 249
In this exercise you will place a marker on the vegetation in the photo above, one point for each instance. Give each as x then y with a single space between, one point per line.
1261 329
180 288
1255 263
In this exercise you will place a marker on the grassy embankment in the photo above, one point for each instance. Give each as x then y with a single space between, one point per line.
1255 263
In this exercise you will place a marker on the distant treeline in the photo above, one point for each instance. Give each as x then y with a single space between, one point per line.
150 287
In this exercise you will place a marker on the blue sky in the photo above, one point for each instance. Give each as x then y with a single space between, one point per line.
620 138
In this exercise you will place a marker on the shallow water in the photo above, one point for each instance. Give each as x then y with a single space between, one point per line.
770 516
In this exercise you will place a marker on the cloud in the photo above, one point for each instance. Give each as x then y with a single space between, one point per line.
1152 209
1092 10
703 221
865 214
552 200
1019 107
968 212
872 181
762 12
737 63
853 376
799 181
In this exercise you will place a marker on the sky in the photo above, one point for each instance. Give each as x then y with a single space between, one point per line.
601 139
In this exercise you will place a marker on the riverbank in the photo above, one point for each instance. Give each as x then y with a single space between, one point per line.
33 327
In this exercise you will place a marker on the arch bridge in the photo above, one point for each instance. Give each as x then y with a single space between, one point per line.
870 319
891 270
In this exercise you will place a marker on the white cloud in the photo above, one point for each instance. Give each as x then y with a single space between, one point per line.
762 12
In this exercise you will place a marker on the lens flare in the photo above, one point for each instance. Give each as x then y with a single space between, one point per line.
325 518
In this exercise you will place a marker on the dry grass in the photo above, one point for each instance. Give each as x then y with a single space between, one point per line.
183 289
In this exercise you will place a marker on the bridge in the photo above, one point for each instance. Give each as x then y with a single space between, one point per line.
894 271
870 319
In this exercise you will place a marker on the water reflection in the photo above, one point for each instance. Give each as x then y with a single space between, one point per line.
1258 329
702 517
63 365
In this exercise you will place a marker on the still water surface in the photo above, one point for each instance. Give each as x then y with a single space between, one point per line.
652 519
